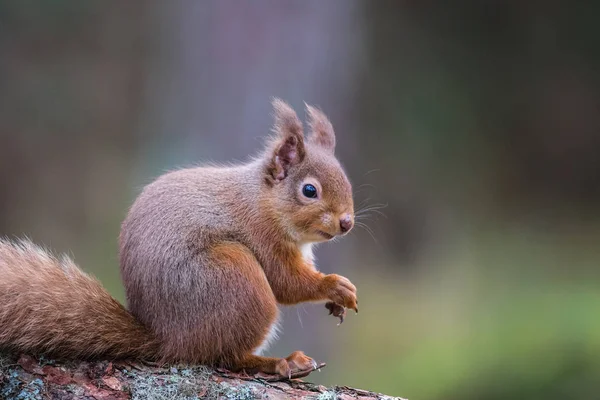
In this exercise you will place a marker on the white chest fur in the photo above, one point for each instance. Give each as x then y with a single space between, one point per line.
307 252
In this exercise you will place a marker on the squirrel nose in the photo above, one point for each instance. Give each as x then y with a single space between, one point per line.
346 223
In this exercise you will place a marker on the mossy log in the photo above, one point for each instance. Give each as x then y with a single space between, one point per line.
29 378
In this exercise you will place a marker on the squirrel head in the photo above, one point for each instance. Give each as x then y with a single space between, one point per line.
305 186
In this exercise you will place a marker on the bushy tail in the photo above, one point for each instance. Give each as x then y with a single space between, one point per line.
48 305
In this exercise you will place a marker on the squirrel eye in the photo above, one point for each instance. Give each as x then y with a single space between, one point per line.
309 191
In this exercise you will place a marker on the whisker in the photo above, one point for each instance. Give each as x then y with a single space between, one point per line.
369 231
365 226
299 317
365 185
371 212
375 205
371 171
366 217
372 208
363 203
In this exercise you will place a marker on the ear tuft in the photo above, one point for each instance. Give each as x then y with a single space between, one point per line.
288 146
322 133
286 120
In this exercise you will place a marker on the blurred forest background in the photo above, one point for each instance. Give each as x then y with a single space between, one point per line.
477 123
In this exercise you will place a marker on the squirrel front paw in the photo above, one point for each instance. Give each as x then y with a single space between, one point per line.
342 294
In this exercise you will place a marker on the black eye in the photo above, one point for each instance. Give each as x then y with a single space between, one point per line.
309 191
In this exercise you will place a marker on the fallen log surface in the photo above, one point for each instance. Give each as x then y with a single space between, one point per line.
29 378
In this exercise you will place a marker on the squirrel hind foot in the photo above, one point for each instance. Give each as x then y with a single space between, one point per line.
300 365
296 365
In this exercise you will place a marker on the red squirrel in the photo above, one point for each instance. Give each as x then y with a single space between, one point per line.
206 255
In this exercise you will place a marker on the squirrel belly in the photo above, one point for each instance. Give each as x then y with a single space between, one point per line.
48 305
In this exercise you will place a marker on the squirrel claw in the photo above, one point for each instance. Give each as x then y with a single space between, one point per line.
303 373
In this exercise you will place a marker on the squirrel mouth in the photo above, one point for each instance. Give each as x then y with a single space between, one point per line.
325 235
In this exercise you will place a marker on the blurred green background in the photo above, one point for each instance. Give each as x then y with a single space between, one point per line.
476 123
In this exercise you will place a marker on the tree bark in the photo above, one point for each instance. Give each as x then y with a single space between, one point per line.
31 378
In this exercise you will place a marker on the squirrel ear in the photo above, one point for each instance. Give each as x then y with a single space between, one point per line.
288 147
322 132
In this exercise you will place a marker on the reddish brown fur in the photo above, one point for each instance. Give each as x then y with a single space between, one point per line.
49 305
206 254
